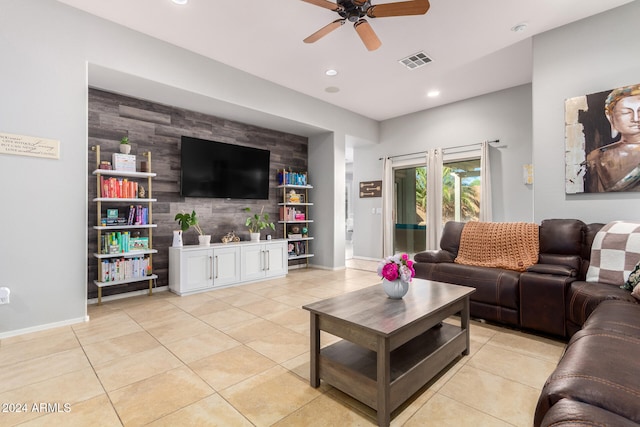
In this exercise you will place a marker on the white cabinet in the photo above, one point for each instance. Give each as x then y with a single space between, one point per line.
264 260
226 265
277 262
190 269
201 268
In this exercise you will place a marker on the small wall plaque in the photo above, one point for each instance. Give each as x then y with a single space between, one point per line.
370 189
32 146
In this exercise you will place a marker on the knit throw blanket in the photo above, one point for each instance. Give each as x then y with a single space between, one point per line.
508 245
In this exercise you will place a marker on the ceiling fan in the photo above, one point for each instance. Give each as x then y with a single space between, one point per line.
355 11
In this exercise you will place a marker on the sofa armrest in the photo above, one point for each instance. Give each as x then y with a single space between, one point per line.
558 270
542 301
434 256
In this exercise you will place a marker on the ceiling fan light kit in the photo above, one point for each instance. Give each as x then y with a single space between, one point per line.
356 10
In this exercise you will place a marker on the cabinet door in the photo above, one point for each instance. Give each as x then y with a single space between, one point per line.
197 270
252 262
226 266
276 259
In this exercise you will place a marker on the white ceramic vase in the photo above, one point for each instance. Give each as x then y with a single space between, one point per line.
255 237
177 238
204 239
125 148
395 289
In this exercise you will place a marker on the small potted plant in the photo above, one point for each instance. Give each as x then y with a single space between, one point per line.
191 220
257 222
125 148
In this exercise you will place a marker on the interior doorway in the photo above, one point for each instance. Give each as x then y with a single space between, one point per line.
348 200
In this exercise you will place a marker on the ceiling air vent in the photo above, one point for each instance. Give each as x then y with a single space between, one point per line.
416 60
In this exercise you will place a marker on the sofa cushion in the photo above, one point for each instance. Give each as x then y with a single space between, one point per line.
621 317
584 297
614 253
598 368
494 286
571 413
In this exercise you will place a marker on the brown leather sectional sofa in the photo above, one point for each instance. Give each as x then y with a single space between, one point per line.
597 381
550 297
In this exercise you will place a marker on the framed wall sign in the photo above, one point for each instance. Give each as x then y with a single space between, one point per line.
370 189
22 145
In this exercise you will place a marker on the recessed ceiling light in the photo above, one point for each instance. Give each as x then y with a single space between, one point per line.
331 72
332 89
433 93
180 1
519 28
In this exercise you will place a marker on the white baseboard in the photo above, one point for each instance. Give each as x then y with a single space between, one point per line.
44 327
364 258
323 267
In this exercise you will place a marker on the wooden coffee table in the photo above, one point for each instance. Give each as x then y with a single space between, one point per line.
390 348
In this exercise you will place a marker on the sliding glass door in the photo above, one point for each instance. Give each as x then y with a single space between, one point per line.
424 193
410 209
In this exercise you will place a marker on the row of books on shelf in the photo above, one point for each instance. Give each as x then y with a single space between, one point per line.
118 188
117 242
136 215
285 177
297 248
113 270
291 214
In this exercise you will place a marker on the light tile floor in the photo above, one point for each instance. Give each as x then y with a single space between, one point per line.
240 357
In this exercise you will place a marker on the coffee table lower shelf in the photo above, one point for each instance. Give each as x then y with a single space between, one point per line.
352 369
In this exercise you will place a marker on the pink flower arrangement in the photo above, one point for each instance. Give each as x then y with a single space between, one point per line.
398 266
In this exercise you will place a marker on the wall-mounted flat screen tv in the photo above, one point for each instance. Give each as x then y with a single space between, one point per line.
219 170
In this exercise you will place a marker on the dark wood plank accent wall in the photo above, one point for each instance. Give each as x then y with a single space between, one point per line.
158 128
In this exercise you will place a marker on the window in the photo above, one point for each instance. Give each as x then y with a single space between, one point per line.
461 190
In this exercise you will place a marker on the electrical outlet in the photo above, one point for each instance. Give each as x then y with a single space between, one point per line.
4 295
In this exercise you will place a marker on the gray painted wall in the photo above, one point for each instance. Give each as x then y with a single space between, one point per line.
592 55
47 49
504 115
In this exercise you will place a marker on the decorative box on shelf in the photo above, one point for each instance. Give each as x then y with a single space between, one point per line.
124 162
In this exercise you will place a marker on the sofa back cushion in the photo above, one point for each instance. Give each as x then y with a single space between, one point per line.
561 236
614 253
450 240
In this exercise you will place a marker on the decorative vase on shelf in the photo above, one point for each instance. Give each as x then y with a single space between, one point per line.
125 148
177 238
395 289
255 237
204 239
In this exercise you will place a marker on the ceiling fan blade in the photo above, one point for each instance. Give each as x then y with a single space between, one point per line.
323 3
368 36
324 31
402 8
